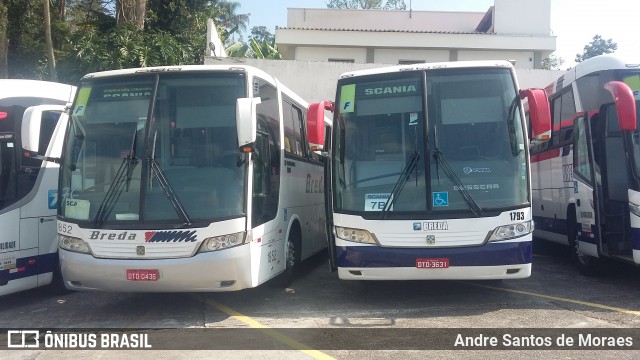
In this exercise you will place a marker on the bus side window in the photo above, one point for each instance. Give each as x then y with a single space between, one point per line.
8 179
294 136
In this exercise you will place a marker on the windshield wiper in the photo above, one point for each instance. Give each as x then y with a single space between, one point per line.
442 161
122 177
399 185
166 187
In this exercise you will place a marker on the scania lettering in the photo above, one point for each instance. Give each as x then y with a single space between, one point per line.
426 165
28 185
586 180
187 178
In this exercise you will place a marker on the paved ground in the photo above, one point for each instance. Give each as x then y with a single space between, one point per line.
320 316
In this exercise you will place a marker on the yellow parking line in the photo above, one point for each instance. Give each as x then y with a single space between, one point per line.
272 333
557 298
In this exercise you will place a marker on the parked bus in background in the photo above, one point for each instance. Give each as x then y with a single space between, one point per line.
187 178
428 172
28 185
586 180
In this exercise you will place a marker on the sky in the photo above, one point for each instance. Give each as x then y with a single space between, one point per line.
573 22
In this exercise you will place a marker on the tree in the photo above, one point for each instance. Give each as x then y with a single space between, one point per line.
51 60
131 11
367 4
597 46
552 62
261 34
4 40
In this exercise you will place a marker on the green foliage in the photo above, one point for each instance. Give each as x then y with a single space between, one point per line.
26 38
122 47
262 44
367 4
88 39
597 46
237 49
264 50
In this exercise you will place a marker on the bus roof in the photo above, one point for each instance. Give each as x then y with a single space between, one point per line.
181 68
250 70
590 66
13 88
425 66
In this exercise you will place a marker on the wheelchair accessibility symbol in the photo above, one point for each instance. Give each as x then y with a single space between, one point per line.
440 199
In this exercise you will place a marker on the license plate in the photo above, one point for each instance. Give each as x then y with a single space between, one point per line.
142 274
437 263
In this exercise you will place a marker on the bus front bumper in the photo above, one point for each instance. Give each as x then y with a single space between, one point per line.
499 260
225 270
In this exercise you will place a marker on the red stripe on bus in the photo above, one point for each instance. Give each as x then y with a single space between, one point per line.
545 155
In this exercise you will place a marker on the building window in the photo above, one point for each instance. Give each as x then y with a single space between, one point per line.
409 62
342 60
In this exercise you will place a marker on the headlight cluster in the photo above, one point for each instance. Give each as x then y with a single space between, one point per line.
73 244
222 242
635 209
511 231
355 235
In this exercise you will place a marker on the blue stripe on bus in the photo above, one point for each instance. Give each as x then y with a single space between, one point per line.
44 264
493 254
635 238
558 226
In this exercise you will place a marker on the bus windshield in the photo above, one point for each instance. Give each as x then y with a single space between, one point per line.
154 148
474 159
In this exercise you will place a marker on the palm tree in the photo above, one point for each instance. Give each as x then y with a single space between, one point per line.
226 16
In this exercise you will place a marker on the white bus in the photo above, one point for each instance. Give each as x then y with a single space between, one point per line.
187 178
428 172
586 180
28 186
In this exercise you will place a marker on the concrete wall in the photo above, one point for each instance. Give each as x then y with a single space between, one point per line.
524 59
522 17
359 55
394 56
316 81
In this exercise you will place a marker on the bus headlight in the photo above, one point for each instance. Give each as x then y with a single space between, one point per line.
635 209
355 235
222 242
73 244
511 231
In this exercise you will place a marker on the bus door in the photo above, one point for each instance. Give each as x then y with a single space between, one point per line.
587 177
609 151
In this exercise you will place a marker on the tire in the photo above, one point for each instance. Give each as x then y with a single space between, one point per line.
292 258
587 265
57 286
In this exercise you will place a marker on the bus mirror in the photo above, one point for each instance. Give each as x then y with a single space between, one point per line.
31 130
625 104
539 114
315 123
32 125
246 122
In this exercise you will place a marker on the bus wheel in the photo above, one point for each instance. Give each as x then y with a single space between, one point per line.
57 282
292 257
588 265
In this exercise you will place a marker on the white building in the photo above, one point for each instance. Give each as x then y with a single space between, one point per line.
511 29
